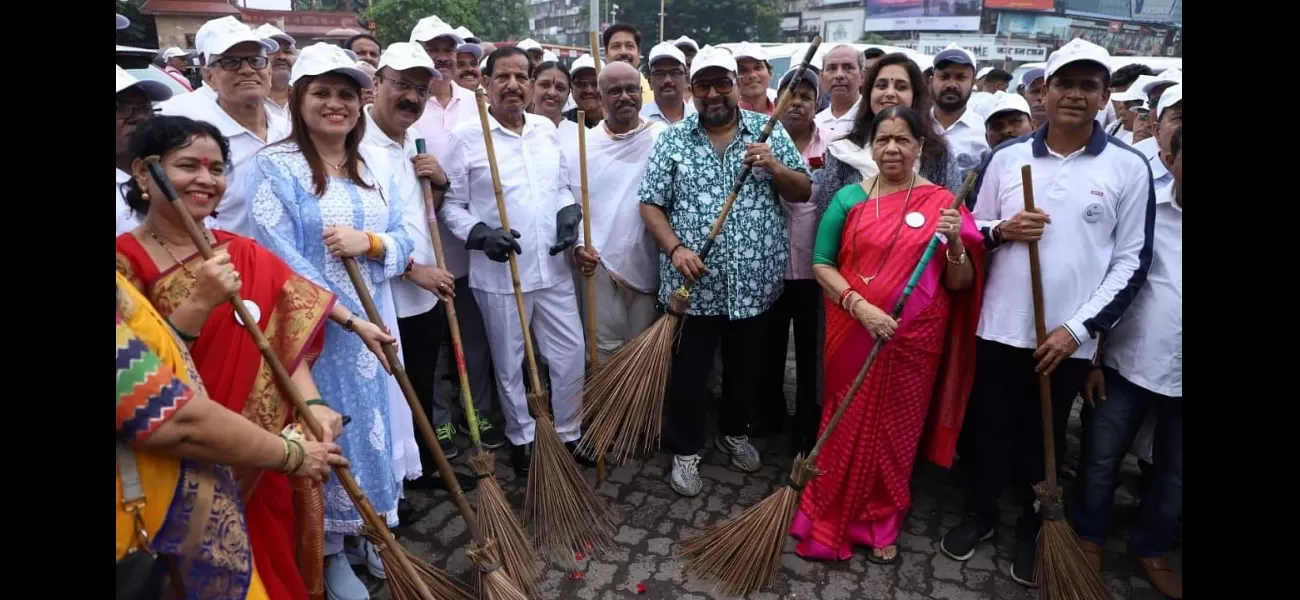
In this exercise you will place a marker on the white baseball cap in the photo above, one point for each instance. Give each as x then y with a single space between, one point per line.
1077 50
685 41
983 72
549 56
709 56
173 52
268 30
400 56
583 62
666 50
1135 89
464 33
1167 77
1030 75
122 22
1172 96
321 58
529 44
470 48
225 33
156 91
1004 102
955 54
748 50
431 28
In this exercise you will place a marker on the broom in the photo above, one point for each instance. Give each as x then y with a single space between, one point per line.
744 552
494 514
624 400
566 515
397 562
1061 570
494 582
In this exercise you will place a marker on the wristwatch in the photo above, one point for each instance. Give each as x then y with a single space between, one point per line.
439 187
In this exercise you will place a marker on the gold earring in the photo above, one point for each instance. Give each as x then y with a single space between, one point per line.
144 196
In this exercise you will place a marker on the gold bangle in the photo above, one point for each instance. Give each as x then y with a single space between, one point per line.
854 303
960 260
376 249
284 460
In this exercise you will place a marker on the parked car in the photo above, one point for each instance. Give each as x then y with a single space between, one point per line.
140 63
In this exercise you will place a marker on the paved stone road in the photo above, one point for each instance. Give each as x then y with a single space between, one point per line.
652 519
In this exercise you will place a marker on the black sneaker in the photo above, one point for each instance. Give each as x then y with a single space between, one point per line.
582 459
447 440
1022 568
960 541
488 434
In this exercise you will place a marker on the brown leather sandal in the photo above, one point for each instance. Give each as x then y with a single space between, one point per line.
1162 577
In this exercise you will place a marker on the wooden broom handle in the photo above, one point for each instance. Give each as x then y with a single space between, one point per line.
593 354
284 379
529 354
595 51
1040 332
413 400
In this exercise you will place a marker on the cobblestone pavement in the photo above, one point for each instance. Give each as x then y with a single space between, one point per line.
652 519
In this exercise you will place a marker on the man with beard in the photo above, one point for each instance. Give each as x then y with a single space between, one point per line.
366 47
238 72
536 188
616 156
1008 119
668 78
467 56
401 85
134 106
622 42
963 129
841 77
281 64
1093 223
755 76
687 179
449 106
585 92
1032 80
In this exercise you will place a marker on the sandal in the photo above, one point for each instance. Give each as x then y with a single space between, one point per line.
872 557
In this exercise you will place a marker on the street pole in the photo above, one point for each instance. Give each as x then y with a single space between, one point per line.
661 21
595 15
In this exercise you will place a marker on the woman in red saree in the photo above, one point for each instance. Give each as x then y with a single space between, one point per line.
284 515
868 244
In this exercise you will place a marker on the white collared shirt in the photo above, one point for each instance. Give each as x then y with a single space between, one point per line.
234 211
967 144
280 111
534 180
434 125
837 127
651 112
126 220
396 167
1146 347
1095 252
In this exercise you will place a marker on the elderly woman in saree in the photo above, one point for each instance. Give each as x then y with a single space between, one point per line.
176 496
315 202
285 515
868 244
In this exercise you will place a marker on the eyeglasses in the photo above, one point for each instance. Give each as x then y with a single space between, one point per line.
126 112
232 63
406 86
666 74
723 86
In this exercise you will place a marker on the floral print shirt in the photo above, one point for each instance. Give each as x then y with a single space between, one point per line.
690 182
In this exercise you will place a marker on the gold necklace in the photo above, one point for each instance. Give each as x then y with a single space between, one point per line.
338 167
907 201
158 240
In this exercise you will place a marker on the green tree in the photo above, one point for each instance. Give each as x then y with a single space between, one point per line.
712 22
501 20
141 33
394 19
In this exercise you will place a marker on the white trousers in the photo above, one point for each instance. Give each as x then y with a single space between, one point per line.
553 317
621 313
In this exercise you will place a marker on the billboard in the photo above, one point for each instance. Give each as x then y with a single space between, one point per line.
923 15
1153 10
1043 28
1021 4
1120 38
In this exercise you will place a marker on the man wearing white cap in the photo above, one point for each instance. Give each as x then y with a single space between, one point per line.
961 127
755 75
135 100
1008 119
534 178
1153 90
979 97
1125 116
534 51
843 68
687 179
585 92
238 72
281 66
1032 82
668 78
1168 117
1093 224
174 62
689 48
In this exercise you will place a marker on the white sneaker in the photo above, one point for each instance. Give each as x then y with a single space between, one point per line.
685 478
365 553
744 457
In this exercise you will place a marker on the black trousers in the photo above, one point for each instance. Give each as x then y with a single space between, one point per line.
688 397
421 338
798 306
1004 423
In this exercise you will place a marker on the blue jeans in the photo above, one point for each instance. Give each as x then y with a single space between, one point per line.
1113 425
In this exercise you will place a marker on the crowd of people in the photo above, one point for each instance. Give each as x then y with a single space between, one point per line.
296 162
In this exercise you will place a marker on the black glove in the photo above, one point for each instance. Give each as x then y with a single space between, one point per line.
496 243
566 228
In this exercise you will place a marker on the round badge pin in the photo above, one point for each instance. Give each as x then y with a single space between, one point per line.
915 220
1093 213
254 311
